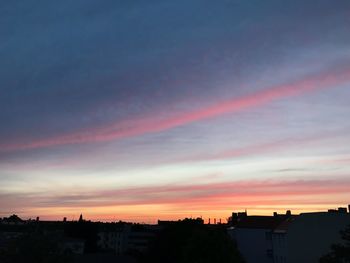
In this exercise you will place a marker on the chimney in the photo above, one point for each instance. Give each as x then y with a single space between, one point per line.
214 221
64 219
349 208
288 213
37 219
275 214
209 222
242 214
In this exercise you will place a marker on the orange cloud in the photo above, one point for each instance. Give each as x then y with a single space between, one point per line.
217 197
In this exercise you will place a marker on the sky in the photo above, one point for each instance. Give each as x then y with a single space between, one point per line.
145 110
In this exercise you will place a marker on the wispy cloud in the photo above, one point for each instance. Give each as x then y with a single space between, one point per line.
225 194
262 148
130 128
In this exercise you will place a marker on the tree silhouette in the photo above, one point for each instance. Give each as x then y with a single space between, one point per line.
189 241
85 230
340 253
34 247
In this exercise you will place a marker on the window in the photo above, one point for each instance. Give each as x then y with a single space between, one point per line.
268 235
269 253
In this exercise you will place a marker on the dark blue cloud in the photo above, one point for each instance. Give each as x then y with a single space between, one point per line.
71 65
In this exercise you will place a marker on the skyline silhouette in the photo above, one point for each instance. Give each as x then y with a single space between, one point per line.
244 238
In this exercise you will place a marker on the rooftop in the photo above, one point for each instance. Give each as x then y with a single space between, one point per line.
260 222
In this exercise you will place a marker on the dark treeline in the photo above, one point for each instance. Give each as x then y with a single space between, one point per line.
42 242
34 246
190 241
85 230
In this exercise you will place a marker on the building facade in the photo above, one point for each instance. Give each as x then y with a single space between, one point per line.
308 236
303 238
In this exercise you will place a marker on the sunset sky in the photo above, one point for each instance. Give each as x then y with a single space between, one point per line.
143 110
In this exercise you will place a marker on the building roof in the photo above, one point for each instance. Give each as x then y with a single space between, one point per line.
260 222
283 226
102 257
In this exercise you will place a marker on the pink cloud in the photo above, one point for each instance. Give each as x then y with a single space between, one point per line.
253 191
245 151
131 128
340 161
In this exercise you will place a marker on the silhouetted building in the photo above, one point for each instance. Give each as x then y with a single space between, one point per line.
309 236
127 238
253 235
12 220
288 238
73 245
236 217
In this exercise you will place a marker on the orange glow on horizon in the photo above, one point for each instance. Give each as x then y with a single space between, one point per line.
145 215
207 201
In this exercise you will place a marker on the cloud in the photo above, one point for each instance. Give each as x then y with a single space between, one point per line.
252 192
137 127
261 148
